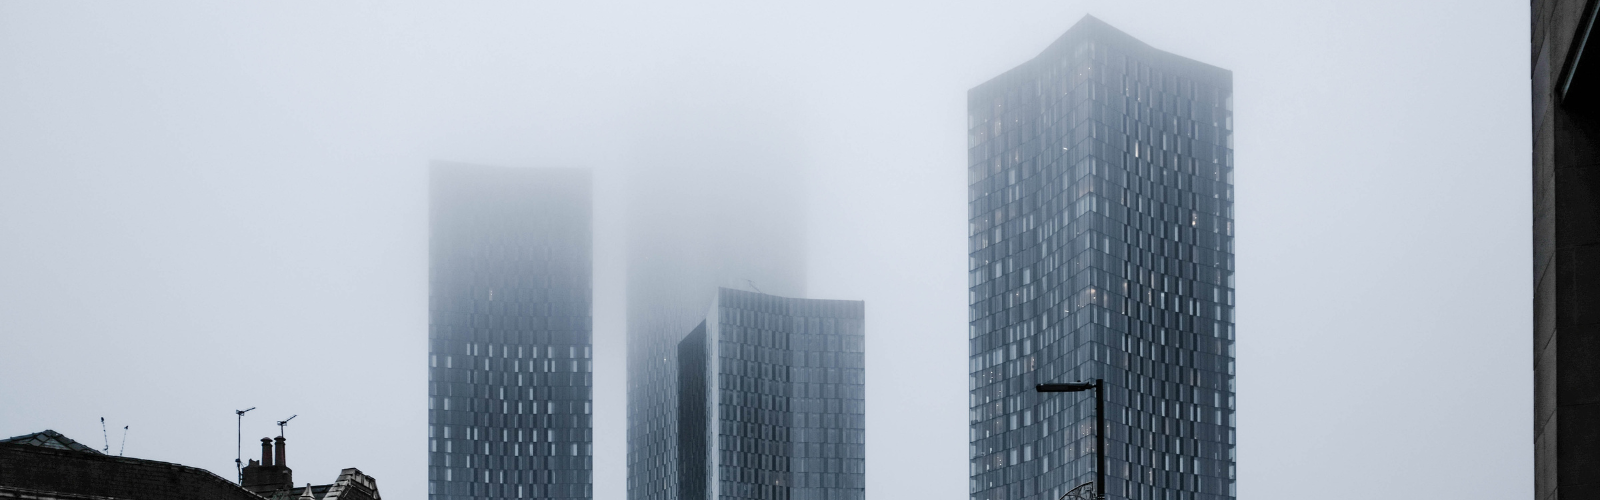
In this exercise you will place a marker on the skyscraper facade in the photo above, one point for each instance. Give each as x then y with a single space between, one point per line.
1101 247
1565 80
772 401
509 333
692 229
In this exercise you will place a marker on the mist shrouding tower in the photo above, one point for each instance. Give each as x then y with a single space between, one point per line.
733 218
772 400
1101 245
509 333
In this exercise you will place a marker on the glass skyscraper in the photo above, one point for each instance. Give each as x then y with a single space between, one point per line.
692 229
509 333
771 400
1101 246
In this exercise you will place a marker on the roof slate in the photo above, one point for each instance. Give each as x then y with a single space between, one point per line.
50 439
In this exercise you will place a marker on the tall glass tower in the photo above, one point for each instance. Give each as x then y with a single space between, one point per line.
693 229
772 400
1101 247
509 333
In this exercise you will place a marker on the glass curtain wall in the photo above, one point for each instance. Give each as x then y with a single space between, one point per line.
509 333
1101 246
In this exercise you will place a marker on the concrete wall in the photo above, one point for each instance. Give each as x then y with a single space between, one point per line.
1566 250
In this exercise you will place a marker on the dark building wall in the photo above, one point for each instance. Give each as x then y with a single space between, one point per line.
692 411
1566 250
772 400
826 374
79 473
509 350
789 380
272 472
1101 246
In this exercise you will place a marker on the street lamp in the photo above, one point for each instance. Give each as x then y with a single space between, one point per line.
1099 427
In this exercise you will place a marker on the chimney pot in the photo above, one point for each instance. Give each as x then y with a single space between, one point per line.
266 452
280 462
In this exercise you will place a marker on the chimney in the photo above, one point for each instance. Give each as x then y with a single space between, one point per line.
280 462
268 476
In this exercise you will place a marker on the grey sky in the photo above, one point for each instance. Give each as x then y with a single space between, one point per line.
208 206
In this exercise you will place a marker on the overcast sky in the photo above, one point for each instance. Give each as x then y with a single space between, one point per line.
210 206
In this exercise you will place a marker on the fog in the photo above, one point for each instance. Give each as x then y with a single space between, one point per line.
715 197
207 207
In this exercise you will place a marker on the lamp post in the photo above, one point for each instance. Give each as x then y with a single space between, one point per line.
1099 426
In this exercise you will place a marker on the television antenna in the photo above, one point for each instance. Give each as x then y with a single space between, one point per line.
284 422
103 435
239 443
124 446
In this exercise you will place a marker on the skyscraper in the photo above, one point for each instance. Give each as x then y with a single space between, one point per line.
509 333
1566 127
1101 244
694 228
771 400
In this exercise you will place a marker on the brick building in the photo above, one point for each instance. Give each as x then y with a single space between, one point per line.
49 466
272 478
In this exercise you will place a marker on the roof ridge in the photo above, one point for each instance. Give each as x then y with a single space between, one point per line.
50 439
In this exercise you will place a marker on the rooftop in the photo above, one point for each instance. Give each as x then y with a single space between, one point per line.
49 439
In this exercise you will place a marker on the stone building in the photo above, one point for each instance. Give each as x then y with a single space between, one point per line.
49 466
272 478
